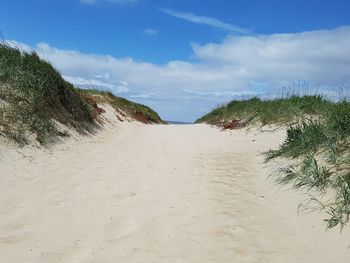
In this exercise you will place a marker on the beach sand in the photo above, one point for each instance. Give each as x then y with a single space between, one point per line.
157 193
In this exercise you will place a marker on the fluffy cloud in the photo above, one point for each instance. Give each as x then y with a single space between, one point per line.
248 65
318 56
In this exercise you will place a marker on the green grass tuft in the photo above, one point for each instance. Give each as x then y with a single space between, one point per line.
302 138
317 138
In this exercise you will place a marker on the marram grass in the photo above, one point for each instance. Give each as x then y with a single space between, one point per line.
317 139
34 97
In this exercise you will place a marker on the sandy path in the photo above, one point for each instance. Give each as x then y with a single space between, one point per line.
156 194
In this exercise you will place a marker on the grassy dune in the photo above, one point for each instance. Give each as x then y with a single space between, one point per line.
34 97
277 111
317 140
138 111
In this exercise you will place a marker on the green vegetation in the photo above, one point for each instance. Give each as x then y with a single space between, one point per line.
277 111
34 94
322 148
34 97
317 140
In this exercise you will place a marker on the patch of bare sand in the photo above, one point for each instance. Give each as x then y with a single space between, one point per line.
137 193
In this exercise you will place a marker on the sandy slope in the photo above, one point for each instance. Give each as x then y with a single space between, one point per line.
140 193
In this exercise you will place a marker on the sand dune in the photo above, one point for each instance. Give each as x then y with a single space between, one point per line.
137 193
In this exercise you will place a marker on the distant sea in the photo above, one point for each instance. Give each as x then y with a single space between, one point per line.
178 122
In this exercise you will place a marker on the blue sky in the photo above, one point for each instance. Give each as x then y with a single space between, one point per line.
184 57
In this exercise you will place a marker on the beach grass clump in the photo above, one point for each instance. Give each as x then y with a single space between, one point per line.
302 138
317 142
322 150
33 94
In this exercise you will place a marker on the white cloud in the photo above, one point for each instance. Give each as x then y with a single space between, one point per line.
123 87
120 2
209 21
317 56
103 76
221 71
88 82
150 32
